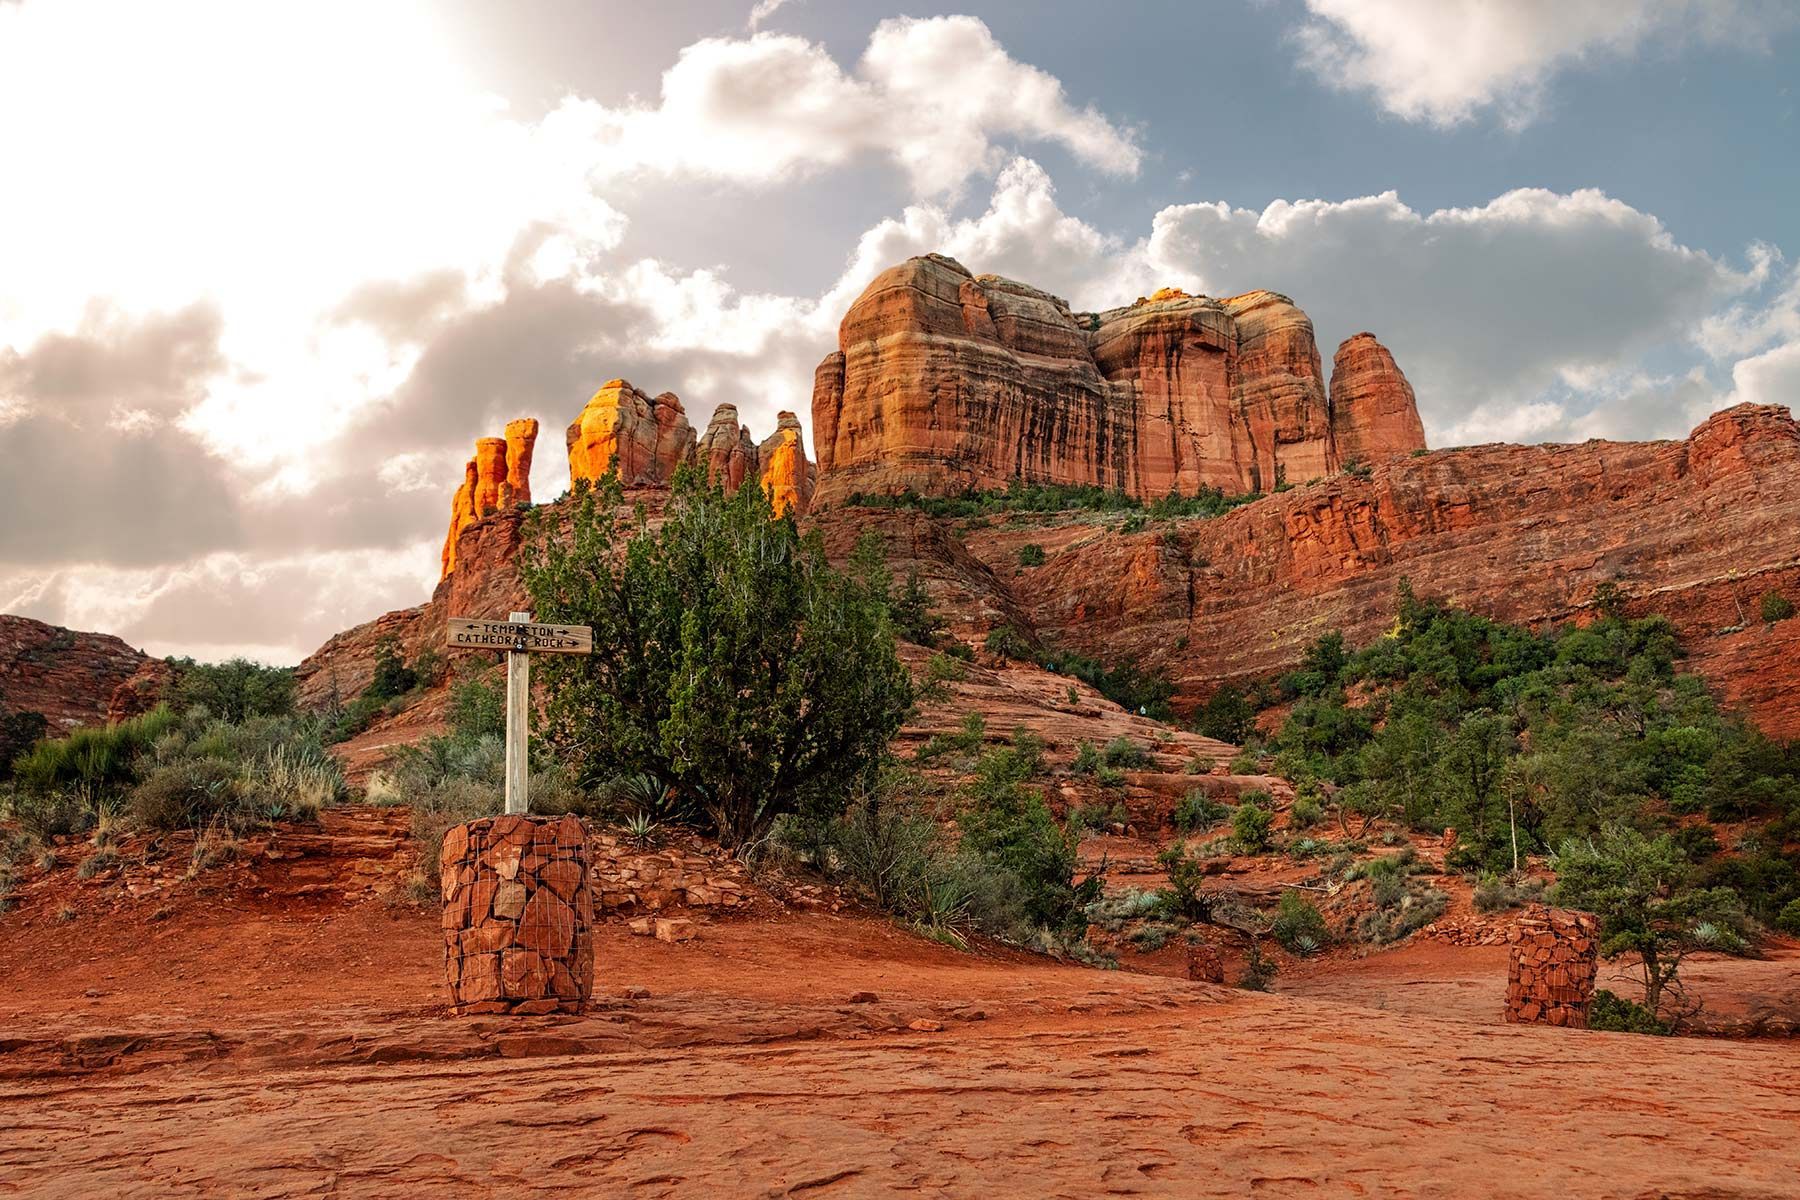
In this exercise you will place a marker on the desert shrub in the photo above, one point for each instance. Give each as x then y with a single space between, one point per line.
1299 927
1152 936
1087 758
1306 811
1198 811
97 863
967 740
1248 761
1131 687
1098 816
1122 752
237 777
1005 642
478 708
19 731
1112 910
1775 607
1183 895
1614 1014
392 676
1259 970
234 690
1522 740
1250 825
1031 555
53 813
914 618
1009 829
1409 908
1227 715
941 669
731 659
436 808
99 759
1495 894
1650 901
1789 920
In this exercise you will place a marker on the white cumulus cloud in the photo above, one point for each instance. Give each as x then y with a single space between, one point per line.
1443 61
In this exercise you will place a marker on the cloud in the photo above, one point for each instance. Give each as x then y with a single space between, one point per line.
762 11
1487 308
934 96
271 607
1023 234
1442 61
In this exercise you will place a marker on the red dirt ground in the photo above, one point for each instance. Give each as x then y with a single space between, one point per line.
267 1040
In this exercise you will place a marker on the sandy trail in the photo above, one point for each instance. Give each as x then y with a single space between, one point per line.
299 1053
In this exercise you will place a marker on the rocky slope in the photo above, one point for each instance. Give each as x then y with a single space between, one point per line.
1696 530
73 678
945 381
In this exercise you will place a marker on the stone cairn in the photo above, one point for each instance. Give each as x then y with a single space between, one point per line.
518 915
1550 970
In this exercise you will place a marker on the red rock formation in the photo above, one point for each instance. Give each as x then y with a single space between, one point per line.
944 381
1695 530
1373 411
647 438
521 438
142 691
72 678
726 451
498 477
786 474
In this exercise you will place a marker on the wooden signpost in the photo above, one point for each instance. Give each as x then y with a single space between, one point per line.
520 638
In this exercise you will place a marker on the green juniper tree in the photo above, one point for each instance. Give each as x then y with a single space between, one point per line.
731 662
1649 903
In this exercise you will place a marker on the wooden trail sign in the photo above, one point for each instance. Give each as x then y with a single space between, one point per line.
520 639
520 633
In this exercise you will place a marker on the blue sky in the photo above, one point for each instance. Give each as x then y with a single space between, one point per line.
275 267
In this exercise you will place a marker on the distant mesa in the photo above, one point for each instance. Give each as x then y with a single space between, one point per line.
945 381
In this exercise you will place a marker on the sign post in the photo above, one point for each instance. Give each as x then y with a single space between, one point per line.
520 639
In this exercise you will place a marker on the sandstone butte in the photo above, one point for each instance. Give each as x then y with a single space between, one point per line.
1695 529
945 381
498 477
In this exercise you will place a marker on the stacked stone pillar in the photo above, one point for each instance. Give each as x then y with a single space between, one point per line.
518 915
1204 964
1554 954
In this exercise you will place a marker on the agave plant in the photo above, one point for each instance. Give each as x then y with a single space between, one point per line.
1305 945
641 828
